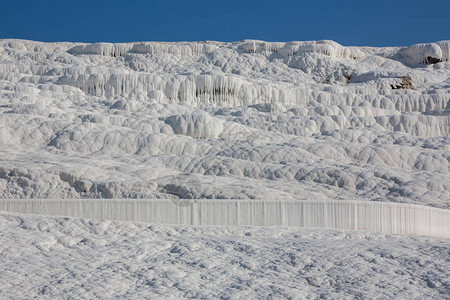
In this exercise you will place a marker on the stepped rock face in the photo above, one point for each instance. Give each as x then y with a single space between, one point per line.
250 119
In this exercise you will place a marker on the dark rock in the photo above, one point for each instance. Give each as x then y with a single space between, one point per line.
405 84
432 60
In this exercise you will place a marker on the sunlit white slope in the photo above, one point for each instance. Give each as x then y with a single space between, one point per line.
250 119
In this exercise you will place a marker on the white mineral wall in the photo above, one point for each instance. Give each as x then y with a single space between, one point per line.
395 218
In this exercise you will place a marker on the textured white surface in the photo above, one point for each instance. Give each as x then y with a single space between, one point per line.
52 258
353 215
250 119
245 120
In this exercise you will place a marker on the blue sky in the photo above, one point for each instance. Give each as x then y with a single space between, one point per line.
349 22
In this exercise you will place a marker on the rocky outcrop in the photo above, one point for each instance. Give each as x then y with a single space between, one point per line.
406 83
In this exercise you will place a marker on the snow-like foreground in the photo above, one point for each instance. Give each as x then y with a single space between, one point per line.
52 258
354 215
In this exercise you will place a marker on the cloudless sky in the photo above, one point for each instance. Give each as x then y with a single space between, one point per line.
349 22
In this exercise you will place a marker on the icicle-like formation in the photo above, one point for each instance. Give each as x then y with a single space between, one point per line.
445 47
174 49
221 90
105 49
229 90
393 218
115 50
329 48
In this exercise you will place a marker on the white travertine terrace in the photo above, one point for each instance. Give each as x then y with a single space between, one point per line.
243 120
241 138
